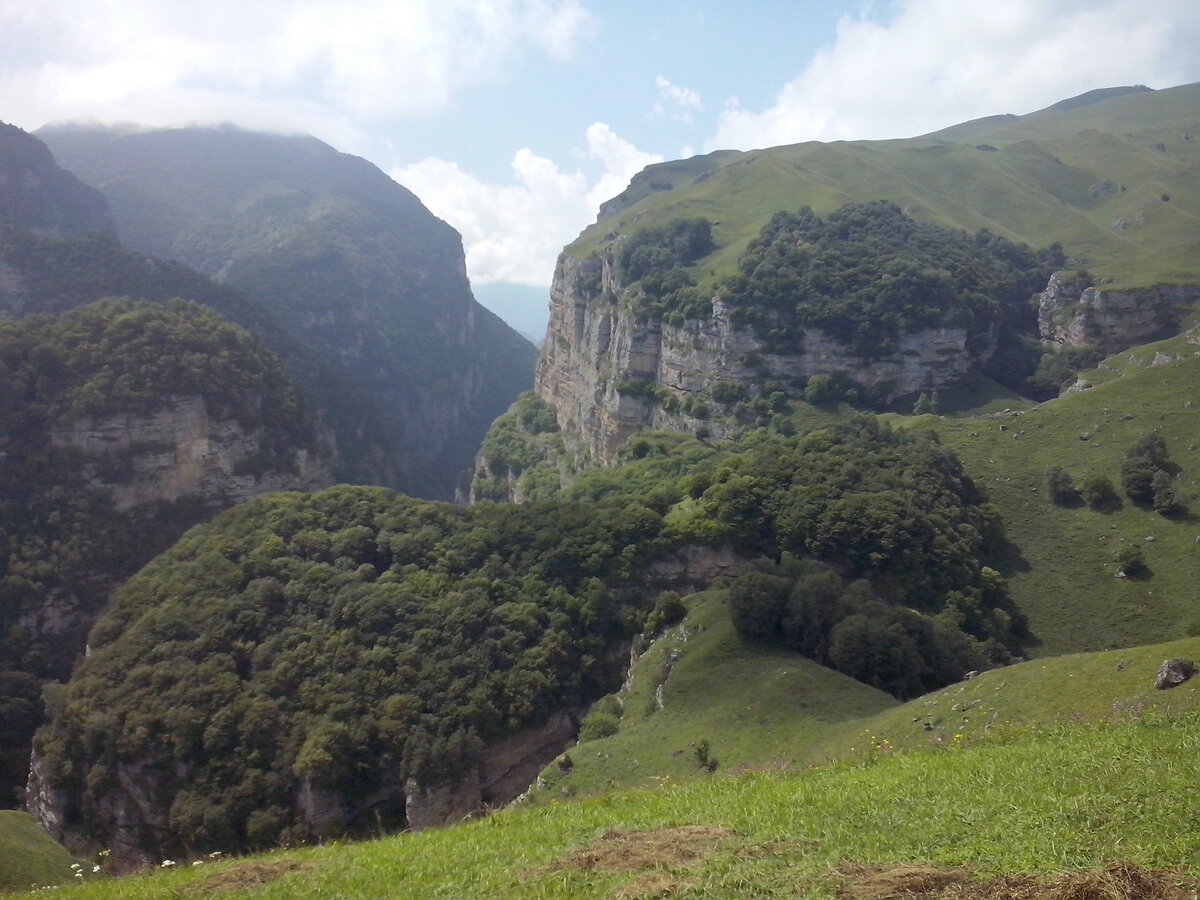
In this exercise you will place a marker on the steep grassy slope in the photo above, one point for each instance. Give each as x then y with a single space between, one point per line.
27 856
1114 181
765 708
1060 563
1021 804
1109 686
755 705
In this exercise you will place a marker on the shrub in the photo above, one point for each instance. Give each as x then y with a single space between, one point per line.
1130 560
598 724
1099 493
1060 486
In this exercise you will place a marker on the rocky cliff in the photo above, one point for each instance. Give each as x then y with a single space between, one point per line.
117 434
133 814
609 372
1075 313
182 450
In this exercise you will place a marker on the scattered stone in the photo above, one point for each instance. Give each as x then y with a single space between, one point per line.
1173 672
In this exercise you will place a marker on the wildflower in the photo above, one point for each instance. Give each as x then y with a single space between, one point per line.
166 863
102 853
96 868
197 862
216 854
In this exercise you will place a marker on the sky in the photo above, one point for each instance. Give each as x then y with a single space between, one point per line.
514 119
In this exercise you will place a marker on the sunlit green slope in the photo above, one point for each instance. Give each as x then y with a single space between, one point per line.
1115 181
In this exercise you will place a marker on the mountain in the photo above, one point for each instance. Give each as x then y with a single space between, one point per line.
911 496
713 283
349 264
38 195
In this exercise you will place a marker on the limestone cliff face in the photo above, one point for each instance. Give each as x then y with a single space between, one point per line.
596 349
1074 314
181 449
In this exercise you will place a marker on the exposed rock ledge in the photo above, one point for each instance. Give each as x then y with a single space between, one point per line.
180 450
1074 314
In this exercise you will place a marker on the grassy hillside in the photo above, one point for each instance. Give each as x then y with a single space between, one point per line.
763 708
1114 181
1059 564
706 670
27 856
1002 817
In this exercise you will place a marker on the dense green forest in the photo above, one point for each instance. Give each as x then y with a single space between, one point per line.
353 639
63 544
867 273
347 640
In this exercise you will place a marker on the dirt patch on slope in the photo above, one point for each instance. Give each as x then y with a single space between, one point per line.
248 875
918 882
625 850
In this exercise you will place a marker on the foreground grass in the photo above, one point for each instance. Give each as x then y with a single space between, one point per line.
1022 801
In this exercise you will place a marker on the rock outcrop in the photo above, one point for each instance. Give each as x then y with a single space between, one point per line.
181 450
1074 313
505 771
609 373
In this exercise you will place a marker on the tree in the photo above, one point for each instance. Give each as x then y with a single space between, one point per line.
757 602
1099 493
1060 486
1163 494
1143 461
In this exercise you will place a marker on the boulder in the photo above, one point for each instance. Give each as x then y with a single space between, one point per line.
1173 672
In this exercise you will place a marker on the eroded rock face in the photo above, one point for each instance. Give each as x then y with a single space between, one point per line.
594 345
1075 314
506 770
695 568
181 449
134 813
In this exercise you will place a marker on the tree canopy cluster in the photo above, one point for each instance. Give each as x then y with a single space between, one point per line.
657 257
344 641
868 273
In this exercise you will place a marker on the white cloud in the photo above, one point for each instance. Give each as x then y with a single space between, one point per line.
938 62
680 100
513 232
166 63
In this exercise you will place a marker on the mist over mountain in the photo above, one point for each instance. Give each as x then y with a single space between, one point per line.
38 195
